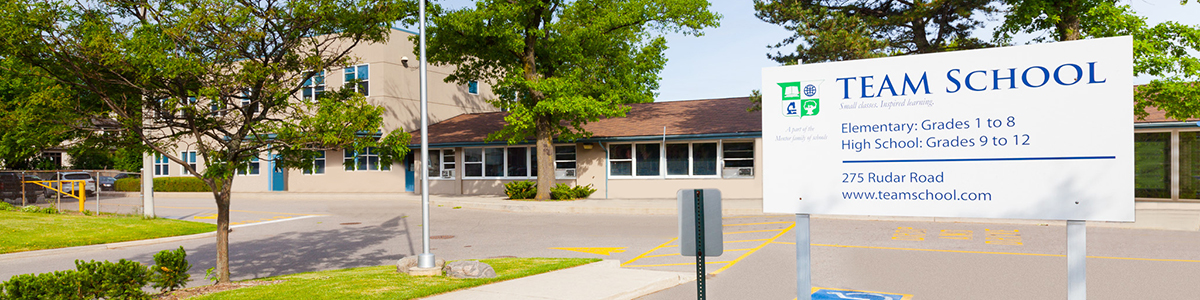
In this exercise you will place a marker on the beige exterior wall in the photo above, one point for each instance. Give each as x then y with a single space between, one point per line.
338 179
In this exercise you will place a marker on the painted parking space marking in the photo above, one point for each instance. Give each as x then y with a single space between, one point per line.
206 217
749 245
269 221
820 293
595 250
990 236
992 252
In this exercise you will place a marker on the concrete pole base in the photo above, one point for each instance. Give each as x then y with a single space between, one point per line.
425 272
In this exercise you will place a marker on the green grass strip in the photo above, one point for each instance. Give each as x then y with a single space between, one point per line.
20 231
385 283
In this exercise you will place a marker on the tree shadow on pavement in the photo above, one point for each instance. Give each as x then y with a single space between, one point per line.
296 252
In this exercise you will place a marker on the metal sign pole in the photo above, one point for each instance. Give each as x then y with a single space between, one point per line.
1076 260
426 259
803 258
700 273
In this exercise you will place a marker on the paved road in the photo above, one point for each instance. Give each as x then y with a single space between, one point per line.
922 259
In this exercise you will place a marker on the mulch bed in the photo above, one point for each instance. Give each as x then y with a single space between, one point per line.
209 289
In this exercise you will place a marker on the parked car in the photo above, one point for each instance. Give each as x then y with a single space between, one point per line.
107 183
10 188
127 175
89 182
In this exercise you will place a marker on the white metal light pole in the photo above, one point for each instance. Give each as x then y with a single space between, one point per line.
426 259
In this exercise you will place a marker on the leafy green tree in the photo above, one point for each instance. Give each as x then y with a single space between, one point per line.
829 30
35 113
1160 51
559 64
219 77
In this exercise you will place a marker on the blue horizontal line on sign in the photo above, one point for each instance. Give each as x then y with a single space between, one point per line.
976 159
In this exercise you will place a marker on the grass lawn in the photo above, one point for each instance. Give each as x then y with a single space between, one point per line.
385 283
20 231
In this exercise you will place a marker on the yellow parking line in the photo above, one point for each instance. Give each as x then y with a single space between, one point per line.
753 231
755 249
763 223
640 256
996 253
681 264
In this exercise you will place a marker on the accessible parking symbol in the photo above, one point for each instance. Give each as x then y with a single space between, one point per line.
839 294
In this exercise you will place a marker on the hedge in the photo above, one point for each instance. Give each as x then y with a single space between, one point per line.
124 279
164 184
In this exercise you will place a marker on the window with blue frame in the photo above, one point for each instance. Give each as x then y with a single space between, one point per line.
366 159
314 87
252 168
318 166
162 166
358 79
188 157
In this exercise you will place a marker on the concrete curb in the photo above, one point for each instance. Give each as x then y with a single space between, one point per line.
118 245
603 280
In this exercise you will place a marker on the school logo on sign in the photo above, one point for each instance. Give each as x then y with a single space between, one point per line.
801 98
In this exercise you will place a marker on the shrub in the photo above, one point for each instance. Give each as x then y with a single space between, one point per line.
49 211
4 206
564 192
520 189
31 209
164 184
170 270
100 280
128 185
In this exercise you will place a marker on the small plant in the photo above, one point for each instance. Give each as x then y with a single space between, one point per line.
50 211
170 270
520 189
211 275
88 212
4 206
564 192
31 209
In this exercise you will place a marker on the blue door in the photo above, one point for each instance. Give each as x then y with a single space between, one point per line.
409 178
277 181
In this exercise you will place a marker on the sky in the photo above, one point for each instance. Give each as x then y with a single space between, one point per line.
727 61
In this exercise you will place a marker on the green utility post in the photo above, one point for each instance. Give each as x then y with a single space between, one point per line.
700 229
700 274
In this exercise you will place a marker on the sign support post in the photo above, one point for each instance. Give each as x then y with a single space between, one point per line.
1076 260
700 273
803 258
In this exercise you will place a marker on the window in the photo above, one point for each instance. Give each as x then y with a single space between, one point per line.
441 163
704 159
499 162
247 107
739 159
188 157
251 168
620 160
314 87
1189 165
1152 165
564 160
162 166
361 74
691 159
473 87
318 166
366 159
647 159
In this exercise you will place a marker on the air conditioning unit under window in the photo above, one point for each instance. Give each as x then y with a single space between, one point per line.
738 172
448 173
564 173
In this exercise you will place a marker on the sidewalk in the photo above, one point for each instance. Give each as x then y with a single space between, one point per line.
604 280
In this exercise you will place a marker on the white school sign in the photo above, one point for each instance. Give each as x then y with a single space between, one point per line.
1030 132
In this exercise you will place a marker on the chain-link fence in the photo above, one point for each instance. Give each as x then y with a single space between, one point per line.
70 190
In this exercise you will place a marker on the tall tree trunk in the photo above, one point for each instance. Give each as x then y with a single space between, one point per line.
545 158
1068 24
221 193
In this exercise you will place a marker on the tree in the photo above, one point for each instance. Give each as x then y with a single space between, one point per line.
36 113
827 30
1160 51
218 77
559 64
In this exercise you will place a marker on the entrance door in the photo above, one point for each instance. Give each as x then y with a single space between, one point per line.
278 183
409 178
